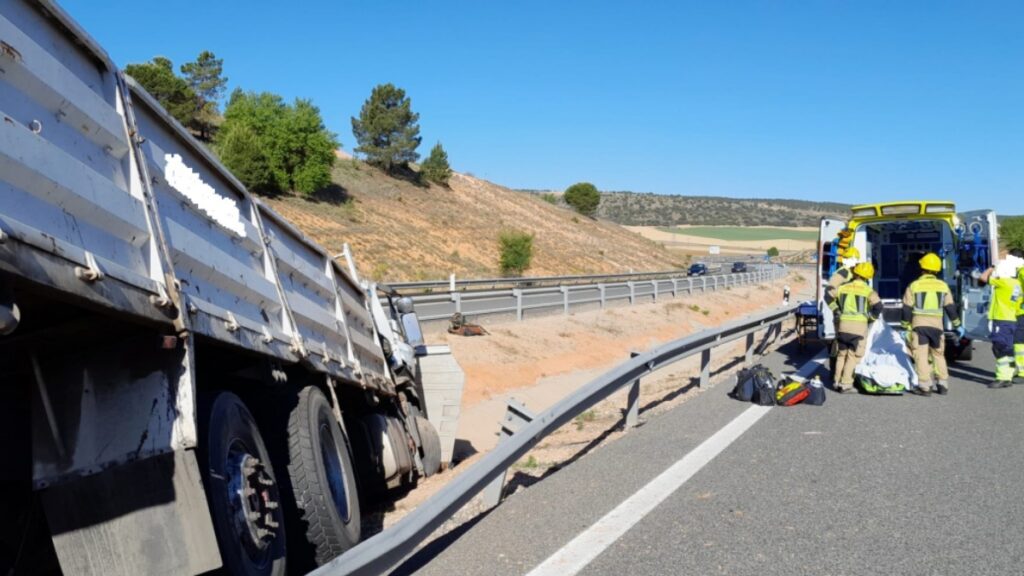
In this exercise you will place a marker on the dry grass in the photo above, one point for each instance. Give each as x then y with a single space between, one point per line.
402 231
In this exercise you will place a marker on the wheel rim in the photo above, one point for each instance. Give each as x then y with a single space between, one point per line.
330 452
252 503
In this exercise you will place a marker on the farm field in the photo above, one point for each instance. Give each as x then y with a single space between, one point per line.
744 233
730 240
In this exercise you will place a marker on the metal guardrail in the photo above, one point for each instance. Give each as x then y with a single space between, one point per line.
567 291
386 549
454 284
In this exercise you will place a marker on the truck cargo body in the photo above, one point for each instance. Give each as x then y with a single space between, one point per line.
168 340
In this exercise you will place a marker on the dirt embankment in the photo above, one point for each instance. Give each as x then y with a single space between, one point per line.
402 231
540 361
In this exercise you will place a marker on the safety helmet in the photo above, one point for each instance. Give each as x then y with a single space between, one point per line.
930 262
865 270
850 253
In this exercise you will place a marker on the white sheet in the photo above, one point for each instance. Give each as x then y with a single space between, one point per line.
887 358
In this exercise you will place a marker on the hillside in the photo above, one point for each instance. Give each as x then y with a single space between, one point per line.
645 209
402 231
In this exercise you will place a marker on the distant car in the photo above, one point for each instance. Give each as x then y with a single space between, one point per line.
739 267
697 269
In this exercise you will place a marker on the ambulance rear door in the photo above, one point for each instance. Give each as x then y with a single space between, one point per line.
828 233
977 249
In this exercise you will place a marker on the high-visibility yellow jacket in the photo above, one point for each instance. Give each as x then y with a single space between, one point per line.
925 301
1007 299
855 305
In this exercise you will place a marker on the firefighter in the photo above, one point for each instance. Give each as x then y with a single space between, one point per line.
855 305
924 303
1003 322
848 258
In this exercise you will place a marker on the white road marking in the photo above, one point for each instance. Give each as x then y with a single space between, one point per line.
582 549
575 555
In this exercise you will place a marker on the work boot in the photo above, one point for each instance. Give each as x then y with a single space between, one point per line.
921 391
996 384
942 388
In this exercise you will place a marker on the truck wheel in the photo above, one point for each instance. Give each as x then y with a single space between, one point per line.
322 480
241 489
431 455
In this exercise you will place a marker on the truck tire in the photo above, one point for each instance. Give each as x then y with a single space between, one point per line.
241 489
322 481
431 449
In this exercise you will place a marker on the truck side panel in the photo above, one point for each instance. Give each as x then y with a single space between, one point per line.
67 197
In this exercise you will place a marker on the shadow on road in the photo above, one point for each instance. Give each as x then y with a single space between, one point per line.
424 555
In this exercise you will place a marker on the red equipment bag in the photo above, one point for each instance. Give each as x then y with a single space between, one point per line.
791 393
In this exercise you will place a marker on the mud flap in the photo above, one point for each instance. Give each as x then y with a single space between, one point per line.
148 517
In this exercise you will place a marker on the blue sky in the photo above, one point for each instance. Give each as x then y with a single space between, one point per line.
856 101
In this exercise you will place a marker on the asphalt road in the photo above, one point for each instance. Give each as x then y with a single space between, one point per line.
861 485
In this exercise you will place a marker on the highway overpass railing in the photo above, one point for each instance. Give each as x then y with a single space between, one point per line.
438 300
522 431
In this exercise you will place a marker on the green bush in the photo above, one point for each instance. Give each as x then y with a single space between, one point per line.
516 252
549 197
773 251
296 146
584 197
435 168
1011 233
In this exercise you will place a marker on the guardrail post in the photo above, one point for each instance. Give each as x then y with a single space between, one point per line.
689 286
565 299
601 288
516 416
633 400
632 292
654 285
675 287
703 284
705 368
457 298
749 355
518 293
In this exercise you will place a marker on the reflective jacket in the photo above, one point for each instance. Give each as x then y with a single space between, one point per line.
925 302
855 305
834 282
1007 298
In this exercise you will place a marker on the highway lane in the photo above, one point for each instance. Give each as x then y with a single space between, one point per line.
861 485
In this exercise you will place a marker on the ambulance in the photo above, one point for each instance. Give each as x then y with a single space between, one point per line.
893 236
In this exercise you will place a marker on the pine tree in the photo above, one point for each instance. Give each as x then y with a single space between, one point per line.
204 77
386 130
173 93
435 168
583 196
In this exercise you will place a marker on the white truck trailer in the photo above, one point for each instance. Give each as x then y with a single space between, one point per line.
188 382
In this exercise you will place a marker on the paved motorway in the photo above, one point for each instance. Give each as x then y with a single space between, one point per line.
861 485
